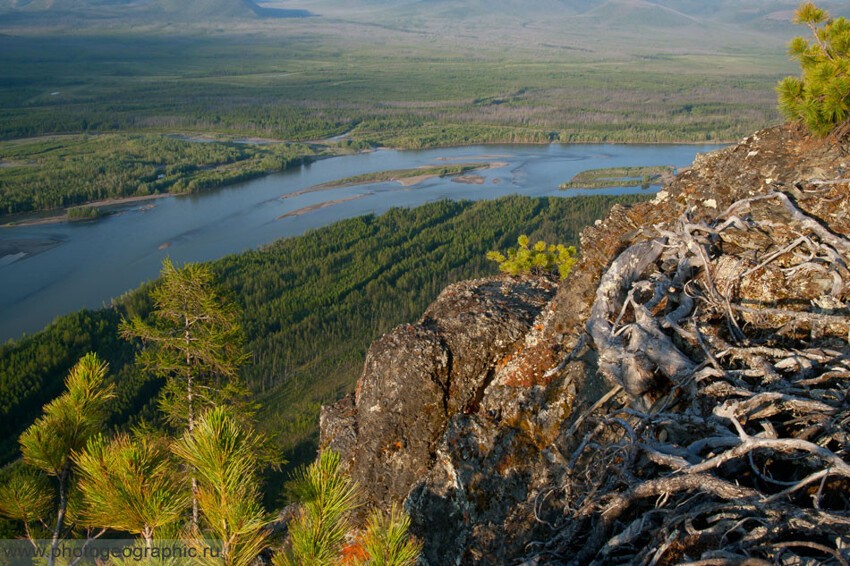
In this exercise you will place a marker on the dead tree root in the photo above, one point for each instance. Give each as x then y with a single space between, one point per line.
731 443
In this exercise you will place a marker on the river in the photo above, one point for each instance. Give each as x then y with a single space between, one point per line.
60 268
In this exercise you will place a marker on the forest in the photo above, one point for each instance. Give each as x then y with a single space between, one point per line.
63 171
310 305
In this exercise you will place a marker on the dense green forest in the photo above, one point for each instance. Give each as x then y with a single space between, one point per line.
63 171
311 306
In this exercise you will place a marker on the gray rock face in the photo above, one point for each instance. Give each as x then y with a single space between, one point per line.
401 411
421 380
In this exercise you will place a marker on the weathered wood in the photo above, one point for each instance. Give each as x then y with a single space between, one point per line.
756 436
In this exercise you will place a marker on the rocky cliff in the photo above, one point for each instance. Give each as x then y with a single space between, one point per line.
682 396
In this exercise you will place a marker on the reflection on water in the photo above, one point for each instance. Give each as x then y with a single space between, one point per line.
87 264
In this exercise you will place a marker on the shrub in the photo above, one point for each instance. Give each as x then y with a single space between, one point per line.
329 496
541 259
820 98
83 213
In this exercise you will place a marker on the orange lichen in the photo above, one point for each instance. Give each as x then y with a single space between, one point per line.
506 360
354 552
530 365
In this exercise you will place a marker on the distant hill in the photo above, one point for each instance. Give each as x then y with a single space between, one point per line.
596 27
624 15
170 10
761 14
214 9
639 13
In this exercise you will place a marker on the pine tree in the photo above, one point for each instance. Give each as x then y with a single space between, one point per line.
27 496
130 484
387 541
329 496
820 98
194 340
68 423
317 537
223 452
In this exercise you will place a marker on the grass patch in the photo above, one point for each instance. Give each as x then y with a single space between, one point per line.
400 174
79 213
609 177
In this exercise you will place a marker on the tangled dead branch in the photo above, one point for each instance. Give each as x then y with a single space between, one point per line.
730 443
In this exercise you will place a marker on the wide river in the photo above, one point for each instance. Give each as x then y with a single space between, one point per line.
87 264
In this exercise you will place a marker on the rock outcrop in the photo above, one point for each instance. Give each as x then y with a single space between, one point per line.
683 396
418 376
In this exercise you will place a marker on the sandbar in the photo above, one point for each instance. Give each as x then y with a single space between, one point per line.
403 181
63 217
15 250
318 206
469 179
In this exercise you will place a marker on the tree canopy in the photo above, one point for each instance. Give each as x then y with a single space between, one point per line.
66 426
193 339
820 98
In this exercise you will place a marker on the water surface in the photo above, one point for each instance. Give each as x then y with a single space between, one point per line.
87 264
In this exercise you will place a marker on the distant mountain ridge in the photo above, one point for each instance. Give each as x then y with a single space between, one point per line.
672 11
639 12
624 15
152 9
719 9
